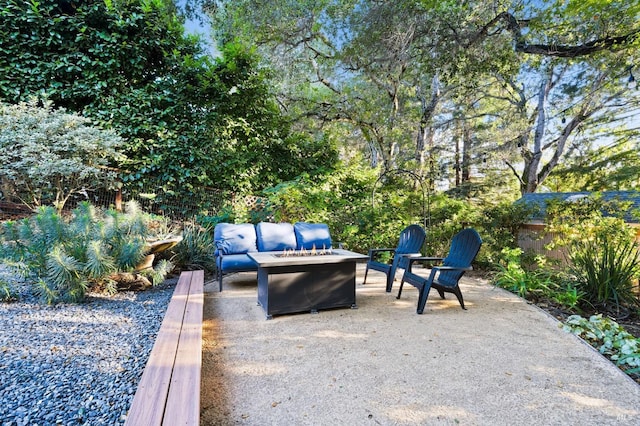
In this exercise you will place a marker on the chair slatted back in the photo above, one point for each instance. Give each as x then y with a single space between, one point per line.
411 240
465 245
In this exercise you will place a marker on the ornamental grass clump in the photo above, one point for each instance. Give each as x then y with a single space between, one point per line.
90 250
196 249
601 251
606 269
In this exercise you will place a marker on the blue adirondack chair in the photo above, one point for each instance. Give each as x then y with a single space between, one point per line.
411 241
444 278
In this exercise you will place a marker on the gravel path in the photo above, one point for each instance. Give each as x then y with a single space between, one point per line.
76 364
501 362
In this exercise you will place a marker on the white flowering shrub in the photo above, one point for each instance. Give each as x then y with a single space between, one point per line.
47 154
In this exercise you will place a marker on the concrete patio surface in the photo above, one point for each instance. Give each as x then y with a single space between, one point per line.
501 362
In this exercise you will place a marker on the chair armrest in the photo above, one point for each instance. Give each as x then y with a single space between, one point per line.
373 252
423 259
413 259
453 268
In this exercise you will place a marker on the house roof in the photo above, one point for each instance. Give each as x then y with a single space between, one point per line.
540 201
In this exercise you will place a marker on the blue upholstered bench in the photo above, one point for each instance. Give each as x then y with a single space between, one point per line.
234 241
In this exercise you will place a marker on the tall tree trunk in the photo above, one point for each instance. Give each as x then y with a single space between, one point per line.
534 172
466 153
425 130
457 161
533 158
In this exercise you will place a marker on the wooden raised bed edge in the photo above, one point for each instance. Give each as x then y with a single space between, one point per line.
169 389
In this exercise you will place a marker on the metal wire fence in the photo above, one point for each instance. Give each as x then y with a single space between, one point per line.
152 199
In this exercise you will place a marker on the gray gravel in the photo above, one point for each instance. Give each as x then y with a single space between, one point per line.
74 364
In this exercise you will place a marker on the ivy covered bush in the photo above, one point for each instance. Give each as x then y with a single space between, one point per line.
89 250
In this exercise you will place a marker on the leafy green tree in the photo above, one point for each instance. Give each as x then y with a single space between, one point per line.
188 121
80 56
396 79
610 167
554 113
257 146
47 155
118 62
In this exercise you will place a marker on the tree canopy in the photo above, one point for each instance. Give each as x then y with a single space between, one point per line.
453 90
188 120
462 93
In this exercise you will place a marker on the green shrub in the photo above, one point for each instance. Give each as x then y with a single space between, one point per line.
363 211
539 283
513 277
602 252
606 269
90 249
47 155
501 224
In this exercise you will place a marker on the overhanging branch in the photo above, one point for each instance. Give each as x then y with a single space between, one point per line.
607 43
514 26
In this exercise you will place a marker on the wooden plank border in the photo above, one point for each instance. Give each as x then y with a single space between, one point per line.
169 389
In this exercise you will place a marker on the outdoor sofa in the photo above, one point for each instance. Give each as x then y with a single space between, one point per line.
234 241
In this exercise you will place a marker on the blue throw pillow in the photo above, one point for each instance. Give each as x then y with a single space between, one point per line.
275 236
309 235
235 238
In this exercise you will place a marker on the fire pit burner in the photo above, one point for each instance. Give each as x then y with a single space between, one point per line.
304 252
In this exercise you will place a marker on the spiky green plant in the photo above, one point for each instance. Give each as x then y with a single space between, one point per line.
7 294
46 292
159 272
70 256
65 275
606 269
99 262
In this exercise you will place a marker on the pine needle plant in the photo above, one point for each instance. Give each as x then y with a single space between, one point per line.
7 293
68 256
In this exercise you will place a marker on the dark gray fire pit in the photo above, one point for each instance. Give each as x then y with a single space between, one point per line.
289 284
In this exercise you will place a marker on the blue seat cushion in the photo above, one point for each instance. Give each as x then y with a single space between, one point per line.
236 263
235 238
275 236
309 235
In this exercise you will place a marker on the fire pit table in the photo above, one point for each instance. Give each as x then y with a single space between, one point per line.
290 282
